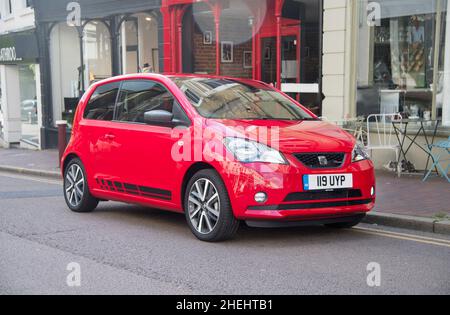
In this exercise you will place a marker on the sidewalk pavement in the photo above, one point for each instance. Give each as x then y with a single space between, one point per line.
404 202
43 162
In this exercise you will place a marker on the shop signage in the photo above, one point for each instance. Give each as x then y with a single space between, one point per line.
63 10
8 54
18 48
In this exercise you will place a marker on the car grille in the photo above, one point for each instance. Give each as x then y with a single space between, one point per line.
324 195
321 160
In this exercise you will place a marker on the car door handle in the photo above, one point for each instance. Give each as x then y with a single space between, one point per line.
109 136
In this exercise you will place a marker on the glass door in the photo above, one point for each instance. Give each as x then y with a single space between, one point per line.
129 46
290 60
28 104
290 57
269 60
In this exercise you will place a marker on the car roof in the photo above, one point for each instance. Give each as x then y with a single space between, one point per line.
169 76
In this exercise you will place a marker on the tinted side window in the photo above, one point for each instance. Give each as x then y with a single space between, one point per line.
102 102
138 97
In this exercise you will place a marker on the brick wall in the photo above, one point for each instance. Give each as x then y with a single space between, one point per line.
236 68
205 55
236 31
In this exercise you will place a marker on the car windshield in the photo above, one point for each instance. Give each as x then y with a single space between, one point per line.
234 99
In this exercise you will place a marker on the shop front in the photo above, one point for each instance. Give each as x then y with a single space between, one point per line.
107 38
275 41
403 60
20 107
402 65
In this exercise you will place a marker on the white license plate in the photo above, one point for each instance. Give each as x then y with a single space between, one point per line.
324 182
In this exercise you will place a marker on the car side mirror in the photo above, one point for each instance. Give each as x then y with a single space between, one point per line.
161 117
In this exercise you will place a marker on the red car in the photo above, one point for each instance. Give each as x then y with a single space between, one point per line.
220 150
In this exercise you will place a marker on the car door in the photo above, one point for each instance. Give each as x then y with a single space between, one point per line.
145 164
96 127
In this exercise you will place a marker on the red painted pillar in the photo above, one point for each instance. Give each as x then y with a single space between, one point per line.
173 41
278 12
166 36
180 47
217 24
258 48
179 41
278 84
254 51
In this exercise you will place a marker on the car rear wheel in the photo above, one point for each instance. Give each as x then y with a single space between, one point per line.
208 209
76 190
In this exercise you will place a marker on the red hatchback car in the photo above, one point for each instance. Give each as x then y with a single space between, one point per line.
220 150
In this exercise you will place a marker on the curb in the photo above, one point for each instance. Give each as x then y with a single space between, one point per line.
442 227
409 222
27 171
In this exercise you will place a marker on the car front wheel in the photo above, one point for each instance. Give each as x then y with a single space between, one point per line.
76 190
208 209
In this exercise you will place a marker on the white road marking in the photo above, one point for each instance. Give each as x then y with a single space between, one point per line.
404 236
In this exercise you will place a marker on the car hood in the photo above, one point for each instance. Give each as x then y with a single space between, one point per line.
289 136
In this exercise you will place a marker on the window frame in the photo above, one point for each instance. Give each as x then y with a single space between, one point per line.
184 121
86 107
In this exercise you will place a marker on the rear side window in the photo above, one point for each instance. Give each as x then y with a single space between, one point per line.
102 102
138 97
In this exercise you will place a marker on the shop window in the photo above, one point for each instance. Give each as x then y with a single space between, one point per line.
28 104
300 50
139 44
236 47
97 52
66 72
2 123
397 59
443 76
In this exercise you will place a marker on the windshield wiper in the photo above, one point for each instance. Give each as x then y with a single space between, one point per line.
309 119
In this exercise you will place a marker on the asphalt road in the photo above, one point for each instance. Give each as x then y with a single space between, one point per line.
126 249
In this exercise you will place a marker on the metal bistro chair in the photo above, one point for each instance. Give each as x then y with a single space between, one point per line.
381 135
445 145
354 126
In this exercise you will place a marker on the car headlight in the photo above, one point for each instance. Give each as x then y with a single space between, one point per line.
247 151
359 153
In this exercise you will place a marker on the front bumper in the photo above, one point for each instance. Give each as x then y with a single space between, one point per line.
287 200
305 222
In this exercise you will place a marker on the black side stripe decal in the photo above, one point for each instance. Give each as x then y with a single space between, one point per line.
156 191
132 189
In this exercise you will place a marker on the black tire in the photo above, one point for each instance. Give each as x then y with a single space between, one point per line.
347 224
87 203
226 225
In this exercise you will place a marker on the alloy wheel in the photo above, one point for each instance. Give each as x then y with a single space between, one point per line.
204 206
74 185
